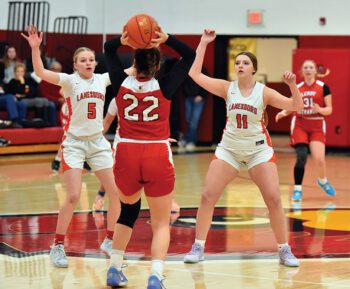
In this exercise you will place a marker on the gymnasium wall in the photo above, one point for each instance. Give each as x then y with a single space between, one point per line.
186 19
280 17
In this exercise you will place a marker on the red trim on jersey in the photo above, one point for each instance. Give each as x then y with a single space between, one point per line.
272 159
70 112
65 166
264 130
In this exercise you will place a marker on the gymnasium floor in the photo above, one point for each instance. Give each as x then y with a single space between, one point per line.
241 251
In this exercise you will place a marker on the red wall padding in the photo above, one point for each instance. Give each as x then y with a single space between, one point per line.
21 136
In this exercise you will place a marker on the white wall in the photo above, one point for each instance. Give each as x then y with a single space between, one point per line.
281 17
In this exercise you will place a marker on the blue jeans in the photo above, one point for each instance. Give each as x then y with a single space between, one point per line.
193 113
16 110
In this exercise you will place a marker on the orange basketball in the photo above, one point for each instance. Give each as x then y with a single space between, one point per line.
141 30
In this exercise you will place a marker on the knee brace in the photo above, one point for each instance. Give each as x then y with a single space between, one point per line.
302 152
129 214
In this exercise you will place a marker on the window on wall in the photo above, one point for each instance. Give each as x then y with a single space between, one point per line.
274 55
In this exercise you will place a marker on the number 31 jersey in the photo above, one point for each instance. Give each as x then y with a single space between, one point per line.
245 127
143 111
312 94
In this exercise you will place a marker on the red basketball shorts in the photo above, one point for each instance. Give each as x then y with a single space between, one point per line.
306 130
144 165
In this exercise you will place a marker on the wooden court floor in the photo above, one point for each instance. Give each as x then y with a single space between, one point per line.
241 251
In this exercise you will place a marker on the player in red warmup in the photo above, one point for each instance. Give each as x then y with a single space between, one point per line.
308 128
143 155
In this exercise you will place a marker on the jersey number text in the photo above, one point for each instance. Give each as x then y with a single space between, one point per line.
146 113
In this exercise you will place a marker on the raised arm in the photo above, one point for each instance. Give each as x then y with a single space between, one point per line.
171 81
216 86
275 99
115 69
35 39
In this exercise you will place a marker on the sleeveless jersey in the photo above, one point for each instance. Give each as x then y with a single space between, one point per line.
143 111
311 94
245 127
85 101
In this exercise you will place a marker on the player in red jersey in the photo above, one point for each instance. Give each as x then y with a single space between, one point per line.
143 156
308 128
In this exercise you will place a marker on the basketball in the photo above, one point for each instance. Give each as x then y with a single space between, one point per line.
141 30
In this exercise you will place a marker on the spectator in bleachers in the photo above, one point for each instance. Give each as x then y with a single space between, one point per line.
51 91
16 110
7 64
25 91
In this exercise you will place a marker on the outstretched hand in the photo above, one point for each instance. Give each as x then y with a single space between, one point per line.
34 38
289 78
208 35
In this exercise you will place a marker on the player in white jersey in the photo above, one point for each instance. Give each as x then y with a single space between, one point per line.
245 142
83 140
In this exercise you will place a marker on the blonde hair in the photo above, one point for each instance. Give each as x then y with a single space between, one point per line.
19 65
318 74
81 49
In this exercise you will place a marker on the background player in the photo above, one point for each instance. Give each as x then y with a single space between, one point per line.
308 128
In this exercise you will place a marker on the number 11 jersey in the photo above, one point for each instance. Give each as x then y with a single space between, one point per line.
245 127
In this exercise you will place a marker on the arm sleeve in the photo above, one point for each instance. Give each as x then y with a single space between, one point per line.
114 66
326 90
170 82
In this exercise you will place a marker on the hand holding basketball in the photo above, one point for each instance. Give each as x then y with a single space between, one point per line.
141 30
161 38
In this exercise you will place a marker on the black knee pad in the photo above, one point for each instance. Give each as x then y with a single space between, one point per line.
302 151
129 213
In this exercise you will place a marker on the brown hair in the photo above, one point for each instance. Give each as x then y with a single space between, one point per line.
252 58
80 49
5 58
147 61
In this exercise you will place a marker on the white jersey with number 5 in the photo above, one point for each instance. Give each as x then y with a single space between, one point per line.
245 127
85 101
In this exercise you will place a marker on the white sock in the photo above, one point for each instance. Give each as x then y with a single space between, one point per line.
157 268
117 257
323 181
280 246
298 187
200 242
